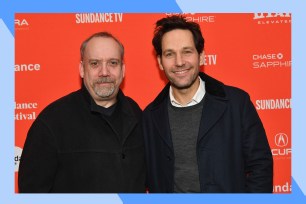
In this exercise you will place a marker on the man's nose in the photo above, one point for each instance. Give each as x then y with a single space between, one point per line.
179 60
104 70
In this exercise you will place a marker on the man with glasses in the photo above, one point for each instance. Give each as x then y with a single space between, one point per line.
90 140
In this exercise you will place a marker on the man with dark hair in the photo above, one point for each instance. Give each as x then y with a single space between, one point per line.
91 140
201 135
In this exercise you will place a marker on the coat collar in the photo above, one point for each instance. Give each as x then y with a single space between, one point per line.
129 117
215 103
122 99
213 87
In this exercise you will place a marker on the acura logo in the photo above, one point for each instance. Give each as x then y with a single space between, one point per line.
281 140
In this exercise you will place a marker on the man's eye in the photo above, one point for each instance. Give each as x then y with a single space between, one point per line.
187 52
113 63
94 64
169 54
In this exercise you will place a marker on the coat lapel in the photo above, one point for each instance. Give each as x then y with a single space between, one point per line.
129 122
129 119
213 109
161 123
214 106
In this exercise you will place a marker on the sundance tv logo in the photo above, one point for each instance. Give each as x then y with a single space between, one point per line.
270 60
272 18
210 60
281 141
81 18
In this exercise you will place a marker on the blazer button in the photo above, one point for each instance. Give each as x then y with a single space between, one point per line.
123 156
169 158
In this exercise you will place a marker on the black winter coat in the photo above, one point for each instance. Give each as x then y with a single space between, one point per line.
233 153
72 148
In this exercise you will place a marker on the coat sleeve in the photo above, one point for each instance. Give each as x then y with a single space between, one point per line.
38 162
257 152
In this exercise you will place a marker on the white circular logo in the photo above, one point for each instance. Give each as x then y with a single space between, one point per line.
281 140
280 56
18 152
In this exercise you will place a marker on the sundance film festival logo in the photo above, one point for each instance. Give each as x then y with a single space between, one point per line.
273 104
281 140
272 18
270 60
25 111
27 67
98 18
196 17
282 188
17 157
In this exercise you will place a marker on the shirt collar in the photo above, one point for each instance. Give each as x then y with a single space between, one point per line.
197 98
95 107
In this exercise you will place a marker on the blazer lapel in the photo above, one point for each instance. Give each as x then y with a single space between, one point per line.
213 109
161 123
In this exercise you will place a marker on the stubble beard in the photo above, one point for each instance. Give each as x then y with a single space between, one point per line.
176 84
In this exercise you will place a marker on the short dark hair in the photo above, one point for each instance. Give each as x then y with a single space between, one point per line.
173 22
103 35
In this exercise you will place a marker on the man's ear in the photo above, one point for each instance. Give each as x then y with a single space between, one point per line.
160 63
202 58
123 70
81 69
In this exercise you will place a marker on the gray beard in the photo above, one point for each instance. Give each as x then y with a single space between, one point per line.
104 92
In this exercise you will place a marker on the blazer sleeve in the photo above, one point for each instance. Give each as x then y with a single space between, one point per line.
257 152
38 161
